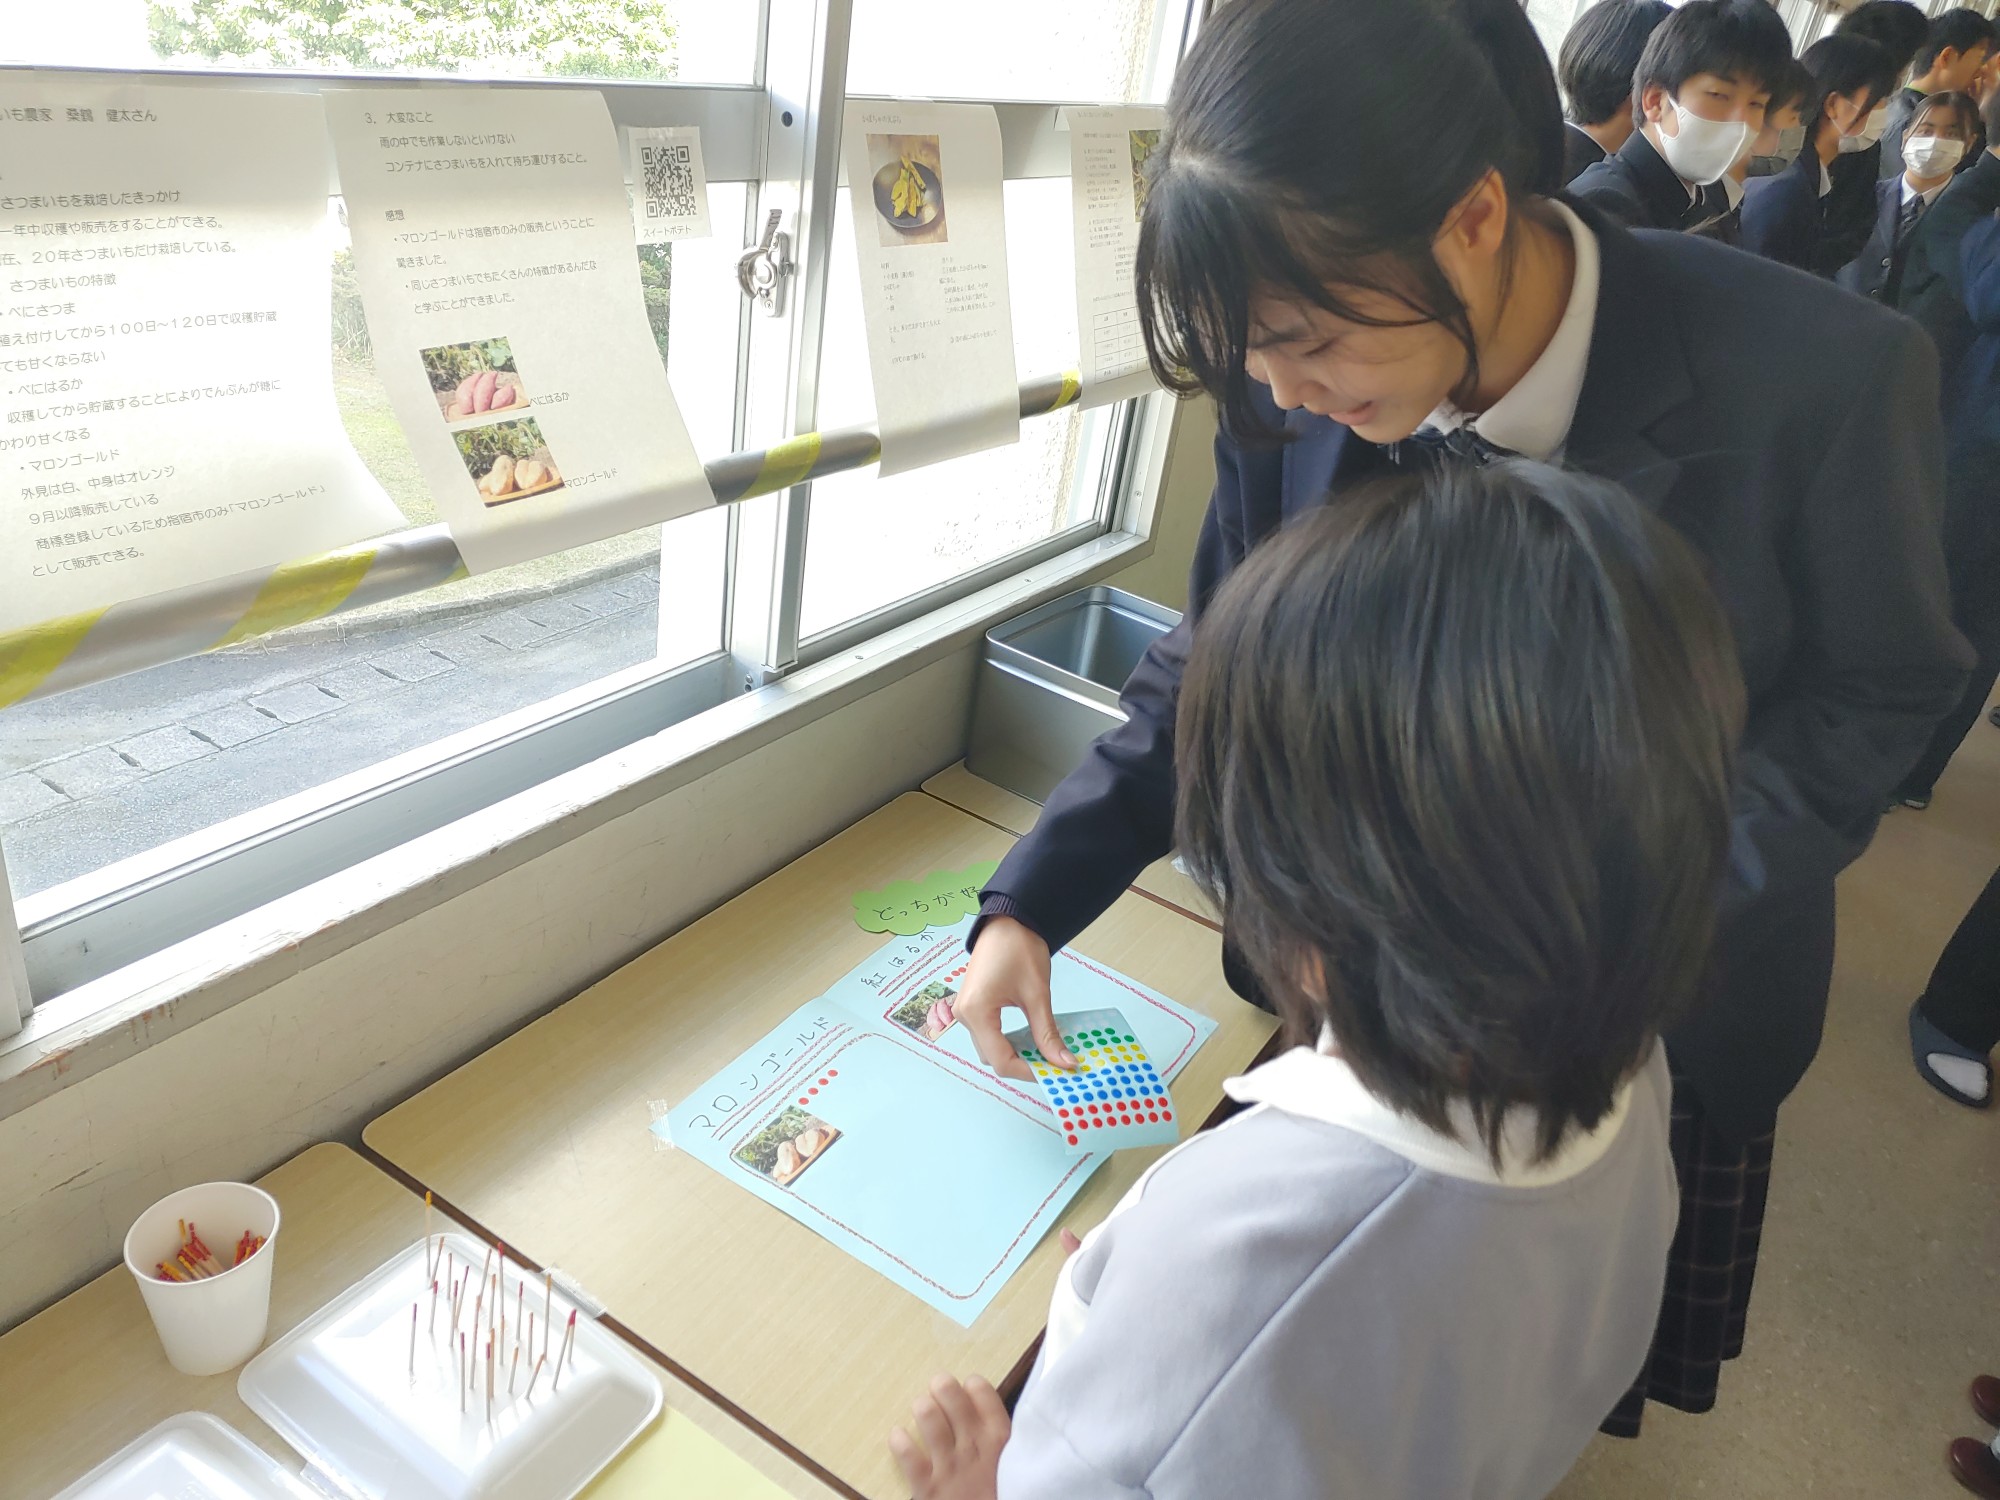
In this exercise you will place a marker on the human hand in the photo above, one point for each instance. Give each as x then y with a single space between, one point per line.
963 1428
1010 966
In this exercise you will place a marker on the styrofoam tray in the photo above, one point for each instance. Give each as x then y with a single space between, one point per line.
192 1456
340 1389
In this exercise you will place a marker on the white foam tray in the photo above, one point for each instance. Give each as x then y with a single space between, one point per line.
340 1389
192 1456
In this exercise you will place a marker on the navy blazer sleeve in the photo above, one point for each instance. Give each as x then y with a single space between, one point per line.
1781 219
1114 814
1880 661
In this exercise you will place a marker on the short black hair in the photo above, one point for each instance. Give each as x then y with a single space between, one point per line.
1894 25
1742 39
1959 31
1275 173
1797 87
1842 64
1455 757
1601 52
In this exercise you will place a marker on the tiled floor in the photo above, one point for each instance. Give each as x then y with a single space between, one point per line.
1878 1296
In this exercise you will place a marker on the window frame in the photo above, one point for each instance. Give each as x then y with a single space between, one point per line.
83 930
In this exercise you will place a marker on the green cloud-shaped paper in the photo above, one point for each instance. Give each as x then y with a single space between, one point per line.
907 907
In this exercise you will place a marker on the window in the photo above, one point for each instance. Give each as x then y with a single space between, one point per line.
140 808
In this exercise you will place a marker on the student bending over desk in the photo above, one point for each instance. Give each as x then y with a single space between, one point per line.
1459 751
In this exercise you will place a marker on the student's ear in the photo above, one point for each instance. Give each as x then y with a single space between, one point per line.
1476 229
1654 102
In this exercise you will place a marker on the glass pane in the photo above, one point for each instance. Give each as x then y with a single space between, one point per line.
1099 50
104 772
873 541
692 41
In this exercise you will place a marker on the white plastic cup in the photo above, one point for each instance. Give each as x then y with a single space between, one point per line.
208 1326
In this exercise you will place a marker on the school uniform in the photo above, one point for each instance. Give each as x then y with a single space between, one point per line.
1310 1301
1902 107
1580 150
1847 212
1933 290
1636 188
1877 271
1791 434
1781 215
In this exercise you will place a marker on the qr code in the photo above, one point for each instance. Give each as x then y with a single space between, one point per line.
669 184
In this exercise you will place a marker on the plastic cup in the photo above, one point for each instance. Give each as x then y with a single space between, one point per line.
208 1326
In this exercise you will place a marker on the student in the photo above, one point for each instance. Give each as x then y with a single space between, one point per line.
1952 60
1699 95
1955 1023
1599 55
1786 428
1476 876
1933 290
1934 144
1781 215
1779 144
1971 515
1847 214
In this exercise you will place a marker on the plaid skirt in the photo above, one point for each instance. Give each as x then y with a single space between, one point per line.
1709 1269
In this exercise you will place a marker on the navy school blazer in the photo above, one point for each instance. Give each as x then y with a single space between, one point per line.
1791 432
1781 214
1933 289
1877 271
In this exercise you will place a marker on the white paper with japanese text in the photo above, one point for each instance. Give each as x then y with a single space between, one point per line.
165 344
669 183
495 255
931 241
1108 154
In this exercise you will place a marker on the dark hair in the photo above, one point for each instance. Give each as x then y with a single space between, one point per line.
1842 64
1797 87
1454 754
1601 52
1989 114
1263 181
1894 25
1959 30
1741 39
1963 107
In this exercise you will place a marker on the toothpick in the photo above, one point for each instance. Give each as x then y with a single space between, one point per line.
531 1335
520 1299
478 1302
485 1266
413 1341
432 1330
569 1339
427 1232
548 1318
534 1375
489 1380
461 1383
514 1368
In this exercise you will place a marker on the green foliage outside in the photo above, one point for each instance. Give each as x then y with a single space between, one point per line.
563 38
446 367
481 445
656 282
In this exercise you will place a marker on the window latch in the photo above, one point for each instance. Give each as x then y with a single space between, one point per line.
764 267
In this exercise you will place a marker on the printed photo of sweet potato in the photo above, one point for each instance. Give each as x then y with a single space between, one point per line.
508 460
470 381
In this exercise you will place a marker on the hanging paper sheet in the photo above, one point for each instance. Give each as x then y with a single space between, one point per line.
1109 153
494 249
930 238
164 344
868 1117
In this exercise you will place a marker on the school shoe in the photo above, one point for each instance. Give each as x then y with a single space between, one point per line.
1926 1039
1974 1466
1986 1398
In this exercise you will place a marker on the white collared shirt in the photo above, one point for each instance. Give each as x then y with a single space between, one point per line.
1825 180
1929 196
1533 419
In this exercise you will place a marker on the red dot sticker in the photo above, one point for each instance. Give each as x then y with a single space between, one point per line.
1166 1114
802 1098
833 1072
822 1082
1064 1113
1153 1117
812 1091
1124 1119
1072 1140
1093 1109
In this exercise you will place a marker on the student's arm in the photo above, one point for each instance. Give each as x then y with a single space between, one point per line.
1778 225
1114 814
1877 660
1979 270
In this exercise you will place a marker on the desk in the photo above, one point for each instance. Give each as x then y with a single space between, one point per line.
85 1377
545 1141
1016 814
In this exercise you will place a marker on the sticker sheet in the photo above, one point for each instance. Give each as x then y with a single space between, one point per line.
494 248
868 1117
1109 153
930 236
165 344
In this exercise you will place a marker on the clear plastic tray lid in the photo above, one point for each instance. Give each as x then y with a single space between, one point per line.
388 1392
192 1456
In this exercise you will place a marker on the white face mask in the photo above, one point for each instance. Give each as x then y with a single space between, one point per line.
1704 149
1932 155
1791 144
1870 133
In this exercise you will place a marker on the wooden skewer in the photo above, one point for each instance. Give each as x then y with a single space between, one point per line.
432 1330
413 1341
569 1339
427 1232
534 1375
548 1317
520 1299
514 1368
461 1384
489 1380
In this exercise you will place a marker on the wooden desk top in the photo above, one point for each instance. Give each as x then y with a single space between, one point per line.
82 1379
1016 814
545 1140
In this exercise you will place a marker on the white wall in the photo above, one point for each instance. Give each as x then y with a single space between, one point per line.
322 1052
